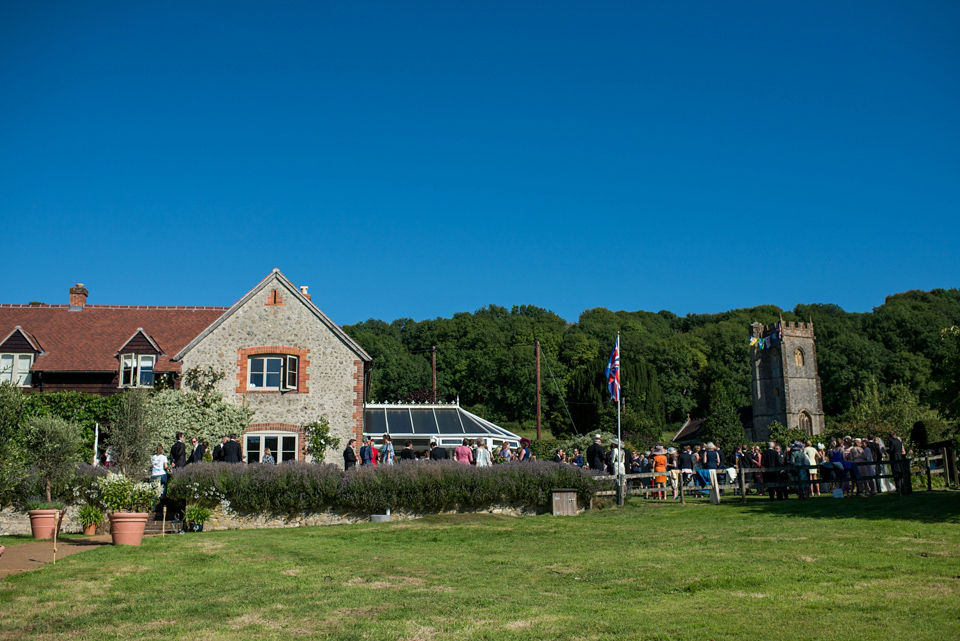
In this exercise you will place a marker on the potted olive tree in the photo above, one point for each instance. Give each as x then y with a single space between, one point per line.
128 502
133 433
50 445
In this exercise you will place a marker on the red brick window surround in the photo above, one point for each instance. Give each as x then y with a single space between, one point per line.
274 299
243 368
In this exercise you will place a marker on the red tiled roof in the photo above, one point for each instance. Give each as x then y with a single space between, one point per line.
89 339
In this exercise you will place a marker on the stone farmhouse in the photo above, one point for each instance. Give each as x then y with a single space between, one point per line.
282 356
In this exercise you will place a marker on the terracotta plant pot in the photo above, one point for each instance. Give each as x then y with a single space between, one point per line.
89 530
127 527
43 523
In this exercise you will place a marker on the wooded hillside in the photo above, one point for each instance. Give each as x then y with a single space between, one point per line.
669 363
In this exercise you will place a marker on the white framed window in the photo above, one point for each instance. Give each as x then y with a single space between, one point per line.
15 368
282 446
279 372
136 370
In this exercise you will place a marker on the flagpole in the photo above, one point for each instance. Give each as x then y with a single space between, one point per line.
616 393
620 478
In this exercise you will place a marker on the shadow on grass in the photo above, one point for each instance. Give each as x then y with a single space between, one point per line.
926 507
10 540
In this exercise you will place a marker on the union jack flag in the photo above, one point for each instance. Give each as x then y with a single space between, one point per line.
613 372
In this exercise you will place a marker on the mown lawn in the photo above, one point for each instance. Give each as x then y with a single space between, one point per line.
880 568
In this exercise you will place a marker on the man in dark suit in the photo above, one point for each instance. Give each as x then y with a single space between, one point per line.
232 452
350 456
897 455
596 456
772 458
437 453
218 450
178 453
198 451
406 454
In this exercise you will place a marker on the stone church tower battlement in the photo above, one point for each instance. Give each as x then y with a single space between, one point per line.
786 383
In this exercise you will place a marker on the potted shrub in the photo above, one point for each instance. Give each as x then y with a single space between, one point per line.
90 516
128 506
195 516
50 446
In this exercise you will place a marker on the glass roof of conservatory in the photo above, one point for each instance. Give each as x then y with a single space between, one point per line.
445 423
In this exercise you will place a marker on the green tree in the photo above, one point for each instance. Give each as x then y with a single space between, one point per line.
204 416
780 433
13 407
86 410
51 444
723 425
948 397
133 432
319 439
894 409
12 415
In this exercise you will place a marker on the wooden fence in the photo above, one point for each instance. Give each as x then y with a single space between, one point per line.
930 466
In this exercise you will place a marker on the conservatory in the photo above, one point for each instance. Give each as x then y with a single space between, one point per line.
446 424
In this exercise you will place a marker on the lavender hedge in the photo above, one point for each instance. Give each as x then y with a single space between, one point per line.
293 488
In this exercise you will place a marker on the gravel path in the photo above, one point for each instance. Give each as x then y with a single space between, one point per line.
26 556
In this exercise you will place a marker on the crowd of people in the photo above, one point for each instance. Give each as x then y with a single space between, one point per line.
469 452
847 465
850 465
228 450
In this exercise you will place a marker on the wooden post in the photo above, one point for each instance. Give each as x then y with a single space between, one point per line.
56 531
952 457
741 476
906 483
536 348
946 469
163 526
433 363
929 480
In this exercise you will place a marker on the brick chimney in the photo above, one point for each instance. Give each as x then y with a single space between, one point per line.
303 290
78 295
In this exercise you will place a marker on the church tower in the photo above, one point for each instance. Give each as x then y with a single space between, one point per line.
786 384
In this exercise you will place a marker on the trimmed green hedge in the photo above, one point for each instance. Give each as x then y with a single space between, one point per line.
293 488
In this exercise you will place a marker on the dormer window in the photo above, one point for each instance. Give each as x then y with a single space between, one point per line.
15 368
136 370
275 372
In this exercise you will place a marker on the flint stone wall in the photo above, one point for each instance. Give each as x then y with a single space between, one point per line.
221 520
330 376
16 522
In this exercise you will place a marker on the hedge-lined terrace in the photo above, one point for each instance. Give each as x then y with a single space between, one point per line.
294 488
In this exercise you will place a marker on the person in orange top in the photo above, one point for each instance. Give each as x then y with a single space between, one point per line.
660 465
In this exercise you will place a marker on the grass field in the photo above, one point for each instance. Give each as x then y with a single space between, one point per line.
881 568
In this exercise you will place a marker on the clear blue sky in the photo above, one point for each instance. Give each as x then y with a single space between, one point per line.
417 159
